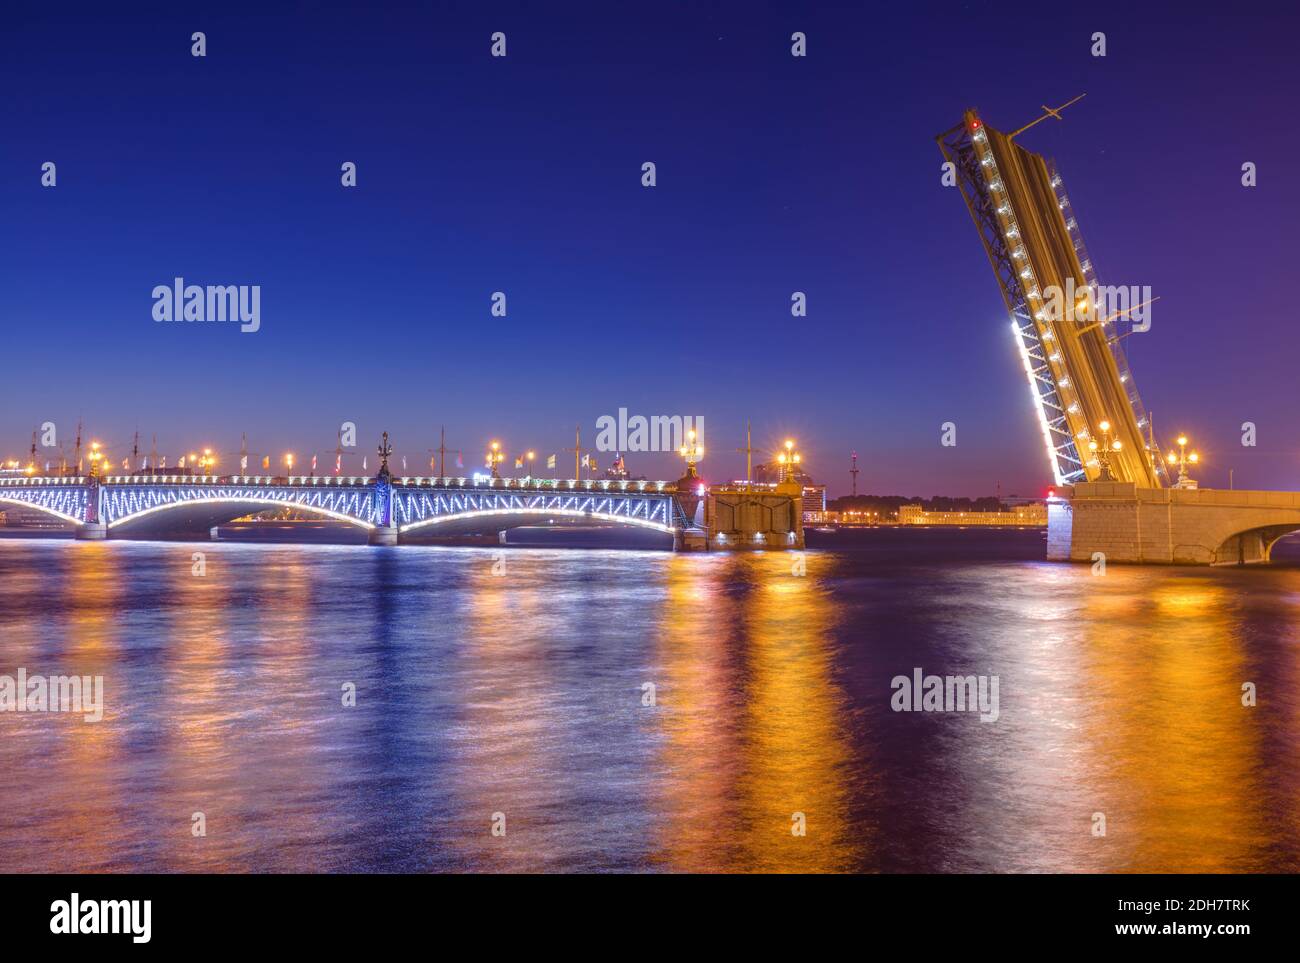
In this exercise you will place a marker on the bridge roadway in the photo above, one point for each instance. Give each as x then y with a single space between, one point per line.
392 508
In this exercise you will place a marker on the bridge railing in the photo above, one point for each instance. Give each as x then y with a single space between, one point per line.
327 481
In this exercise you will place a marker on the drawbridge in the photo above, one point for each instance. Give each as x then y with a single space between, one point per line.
1093 422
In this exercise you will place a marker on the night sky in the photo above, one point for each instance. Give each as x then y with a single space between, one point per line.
523 174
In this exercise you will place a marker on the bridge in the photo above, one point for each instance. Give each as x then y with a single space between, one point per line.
392 509
1112 493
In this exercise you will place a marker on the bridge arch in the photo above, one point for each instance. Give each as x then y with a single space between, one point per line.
199 515
500 519
1253 546
37 506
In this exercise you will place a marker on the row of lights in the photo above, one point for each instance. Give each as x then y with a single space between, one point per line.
1011 230
692 452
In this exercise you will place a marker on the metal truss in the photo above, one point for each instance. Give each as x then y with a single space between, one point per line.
966 147
64 501
122 503
121 500
419 508
1113 341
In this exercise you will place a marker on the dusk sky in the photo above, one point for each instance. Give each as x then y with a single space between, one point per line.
523 174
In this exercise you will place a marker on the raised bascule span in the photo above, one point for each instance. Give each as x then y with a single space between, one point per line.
1112 495
1078 374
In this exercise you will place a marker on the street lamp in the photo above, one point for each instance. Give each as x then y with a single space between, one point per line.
530 456
1104 450
288 460
788 459
692 451
1182 460
495 457
96 456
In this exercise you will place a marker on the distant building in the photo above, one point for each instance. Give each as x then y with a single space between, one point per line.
814 502
1034 514
618 471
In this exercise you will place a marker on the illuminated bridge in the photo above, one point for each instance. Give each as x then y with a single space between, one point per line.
393 508
1112 495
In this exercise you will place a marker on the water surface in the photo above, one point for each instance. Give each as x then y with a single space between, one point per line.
512 682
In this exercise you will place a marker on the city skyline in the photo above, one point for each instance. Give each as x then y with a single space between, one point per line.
376 300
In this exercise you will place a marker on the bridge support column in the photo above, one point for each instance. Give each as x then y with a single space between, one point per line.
383 535
92 531
1178 526
690 540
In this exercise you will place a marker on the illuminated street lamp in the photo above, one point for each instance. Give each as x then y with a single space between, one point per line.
788 459
1182 460
530 456
96 456
1104 450
692 451
288 460
495 457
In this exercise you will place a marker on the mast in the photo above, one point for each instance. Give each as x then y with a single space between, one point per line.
749 453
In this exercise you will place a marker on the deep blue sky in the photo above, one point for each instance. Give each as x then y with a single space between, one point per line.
522 174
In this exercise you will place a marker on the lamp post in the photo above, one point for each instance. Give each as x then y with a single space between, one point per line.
1182 460
692 451
495 457
1108 446
96 456
288 460
530 456
788 459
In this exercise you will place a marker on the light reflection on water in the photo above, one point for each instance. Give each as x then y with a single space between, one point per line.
521 693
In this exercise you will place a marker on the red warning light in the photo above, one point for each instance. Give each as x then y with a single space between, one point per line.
975 124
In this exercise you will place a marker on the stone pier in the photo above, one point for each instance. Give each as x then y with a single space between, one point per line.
1167 526
747 518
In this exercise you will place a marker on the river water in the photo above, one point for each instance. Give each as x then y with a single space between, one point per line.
507 688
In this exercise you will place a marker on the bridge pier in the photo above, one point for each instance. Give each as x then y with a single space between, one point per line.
91 532
1167 526
736 519
690 540
750 518
383 535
